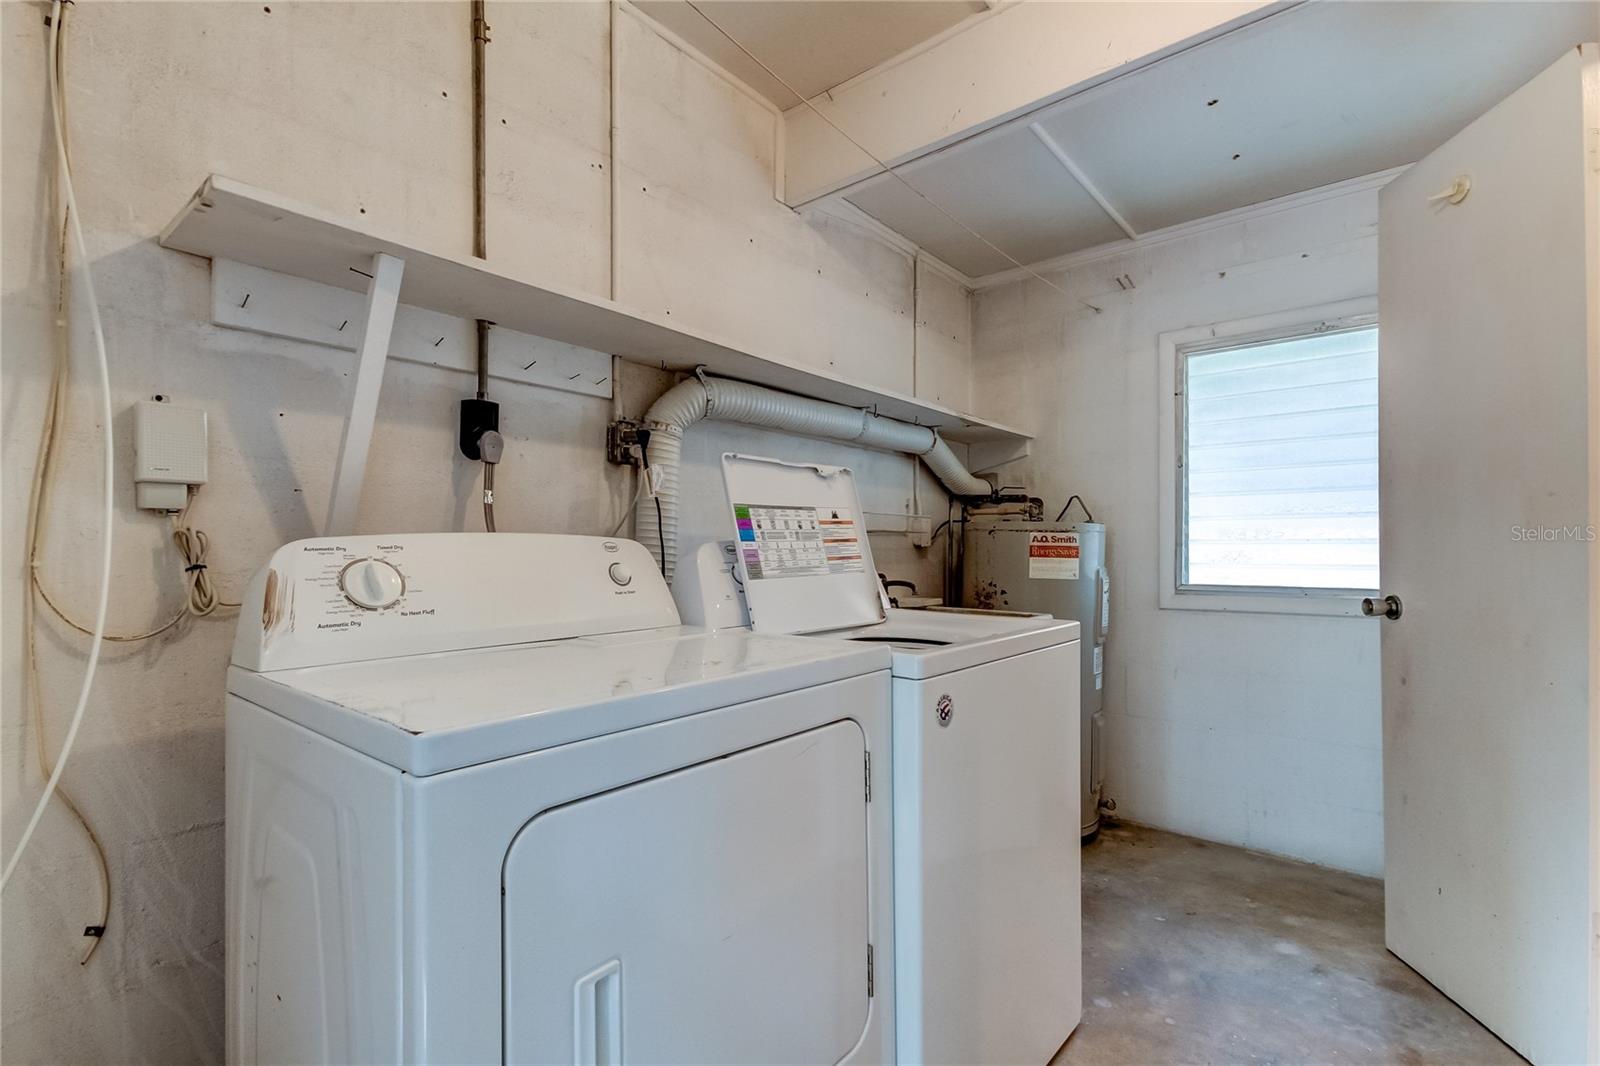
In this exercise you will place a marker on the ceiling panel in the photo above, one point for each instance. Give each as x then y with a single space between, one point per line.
1009 188
1321 93
1313 95
811 44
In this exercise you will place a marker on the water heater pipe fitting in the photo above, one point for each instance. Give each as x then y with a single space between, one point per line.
702 397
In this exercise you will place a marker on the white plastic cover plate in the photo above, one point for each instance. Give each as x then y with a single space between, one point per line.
803 553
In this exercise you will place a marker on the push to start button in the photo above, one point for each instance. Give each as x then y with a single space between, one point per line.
620 574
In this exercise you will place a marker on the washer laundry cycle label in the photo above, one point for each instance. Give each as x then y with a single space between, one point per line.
798 541
1053 556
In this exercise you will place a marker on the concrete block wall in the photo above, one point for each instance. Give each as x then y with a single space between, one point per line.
1259 730
361 108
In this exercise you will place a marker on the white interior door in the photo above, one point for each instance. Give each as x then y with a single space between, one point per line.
1489 464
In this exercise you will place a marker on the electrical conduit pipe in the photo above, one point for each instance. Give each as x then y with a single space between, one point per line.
699 398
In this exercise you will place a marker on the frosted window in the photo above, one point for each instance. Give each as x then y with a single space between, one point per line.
1279 463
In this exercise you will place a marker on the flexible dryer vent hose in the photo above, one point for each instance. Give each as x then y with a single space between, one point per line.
718 399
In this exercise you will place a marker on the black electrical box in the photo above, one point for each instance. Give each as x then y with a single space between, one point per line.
477 418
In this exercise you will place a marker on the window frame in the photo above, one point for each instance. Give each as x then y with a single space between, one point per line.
1172 349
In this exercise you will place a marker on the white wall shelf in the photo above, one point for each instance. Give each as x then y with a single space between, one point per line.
230 220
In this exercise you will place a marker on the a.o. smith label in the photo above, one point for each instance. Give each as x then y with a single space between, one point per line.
1053 556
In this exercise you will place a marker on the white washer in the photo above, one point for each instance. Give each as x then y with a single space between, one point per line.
488 801
988 958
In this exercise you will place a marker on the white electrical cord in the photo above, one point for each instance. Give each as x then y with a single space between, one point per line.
200 599
108 513
192 545
93 932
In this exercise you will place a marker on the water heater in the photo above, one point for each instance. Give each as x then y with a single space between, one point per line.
1010 562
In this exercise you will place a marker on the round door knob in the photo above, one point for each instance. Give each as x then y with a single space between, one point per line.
620 574
372 583
1389 607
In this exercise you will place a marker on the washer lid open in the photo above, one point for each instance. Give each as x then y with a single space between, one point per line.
803 554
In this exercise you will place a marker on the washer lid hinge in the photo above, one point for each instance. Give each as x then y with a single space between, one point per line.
868 760
869 971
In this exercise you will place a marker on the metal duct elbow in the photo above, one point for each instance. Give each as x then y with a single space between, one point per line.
953 473
694 399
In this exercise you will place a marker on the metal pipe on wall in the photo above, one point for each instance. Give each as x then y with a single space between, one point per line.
480 236
480 38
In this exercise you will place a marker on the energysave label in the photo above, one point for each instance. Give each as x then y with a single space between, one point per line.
1053 556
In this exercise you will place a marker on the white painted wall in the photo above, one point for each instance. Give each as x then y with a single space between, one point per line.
1259 730
356 108
944 338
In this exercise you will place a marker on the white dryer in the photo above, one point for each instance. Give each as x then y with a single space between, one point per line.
988 956
488 801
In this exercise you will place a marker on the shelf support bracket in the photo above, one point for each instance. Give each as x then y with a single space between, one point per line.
372 351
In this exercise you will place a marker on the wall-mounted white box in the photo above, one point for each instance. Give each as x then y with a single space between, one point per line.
169 448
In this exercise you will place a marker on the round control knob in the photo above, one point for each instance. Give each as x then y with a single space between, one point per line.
372 583
620 574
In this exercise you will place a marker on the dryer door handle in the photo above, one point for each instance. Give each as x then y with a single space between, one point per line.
597 1016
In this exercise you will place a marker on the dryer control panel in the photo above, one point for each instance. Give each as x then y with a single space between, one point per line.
348 599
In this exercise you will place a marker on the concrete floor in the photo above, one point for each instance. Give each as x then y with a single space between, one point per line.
1197 952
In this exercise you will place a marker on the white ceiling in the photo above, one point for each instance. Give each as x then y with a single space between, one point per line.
1310 96
811 44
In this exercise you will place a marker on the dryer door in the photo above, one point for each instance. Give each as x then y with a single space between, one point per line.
715 914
